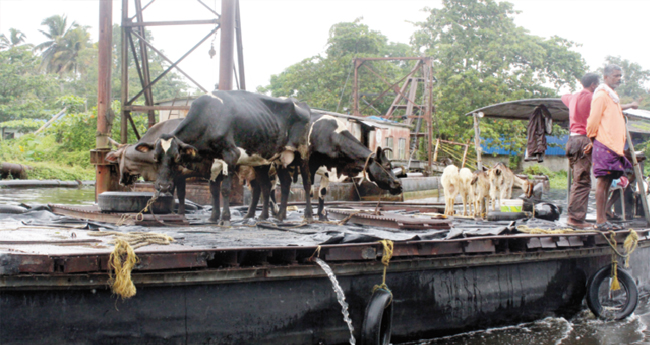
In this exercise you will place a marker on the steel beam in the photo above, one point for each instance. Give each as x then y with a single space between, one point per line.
226 63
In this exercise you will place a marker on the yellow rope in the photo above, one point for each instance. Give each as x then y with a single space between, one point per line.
385 260
630 244
123 258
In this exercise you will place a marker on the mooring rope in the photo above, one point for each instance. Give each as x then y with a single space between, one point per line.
385 260
629 245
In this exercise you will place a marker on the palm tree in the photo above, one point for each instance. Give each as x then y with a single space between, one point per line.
65 42
16 37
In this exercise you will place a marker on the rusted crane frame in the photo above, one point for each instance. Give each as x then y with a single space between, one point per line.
172 66
356 97
393 86
144 57
131 19
168 60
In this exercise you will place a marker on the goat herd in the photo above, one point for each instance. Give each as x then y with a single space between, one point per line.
474 187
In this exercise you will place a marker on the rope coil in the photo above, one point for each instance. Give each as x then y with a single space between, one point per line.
122 259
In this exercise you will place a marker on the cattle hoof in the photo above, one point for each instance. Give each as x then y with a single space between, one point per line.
322 218
248 221
224 223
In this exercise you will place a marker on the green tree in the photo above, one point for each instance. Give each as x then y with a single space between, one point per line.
16 37
481 57
65 43
325 81
24 92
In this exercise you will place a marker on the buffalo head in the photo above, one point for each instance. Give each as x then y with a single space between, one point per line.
380 172
170 156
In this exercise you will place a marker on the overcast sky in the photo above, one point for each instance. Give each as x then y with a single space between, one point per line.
279 33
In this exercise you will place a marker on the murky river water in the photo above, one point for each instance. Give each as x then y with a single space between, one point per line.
582 329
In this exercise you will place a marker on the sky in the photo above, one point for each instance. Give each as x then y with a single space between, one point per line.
279 33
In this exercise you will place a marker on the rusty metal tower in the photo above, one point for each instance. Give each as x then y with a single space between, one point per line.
403 100
134 42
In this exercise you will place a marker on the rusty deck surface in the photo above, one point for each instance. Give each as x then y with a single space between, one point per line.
66 246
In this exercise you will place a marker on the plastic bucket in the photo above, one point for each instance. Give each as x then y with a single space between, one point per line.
511 205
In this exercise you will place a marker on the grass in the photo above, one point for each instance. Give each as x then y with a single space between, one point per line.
557 180
49 159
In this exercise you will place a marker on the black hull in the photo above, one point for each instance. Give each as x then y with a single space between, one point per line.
285 305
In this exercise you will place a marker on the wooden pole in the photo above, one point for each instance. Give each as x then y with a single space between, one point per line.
124 59
465 155
435 152
639 176
477 142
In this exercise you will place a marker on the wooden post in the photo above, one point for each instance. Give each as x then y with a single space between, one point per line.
477 142
435 152
638 174
569 182
462 165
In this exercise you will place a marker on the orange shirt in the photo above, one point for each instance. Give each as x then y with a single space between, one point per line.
606 122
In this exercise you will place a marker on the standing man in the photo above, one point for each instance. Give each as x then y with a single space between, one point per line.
606 129
578 150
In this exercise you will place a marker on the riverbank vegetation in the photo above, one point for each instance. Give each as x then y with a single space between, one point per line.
480 57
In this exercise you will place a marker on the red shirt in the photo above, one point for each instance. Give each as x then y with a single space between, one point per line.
579 107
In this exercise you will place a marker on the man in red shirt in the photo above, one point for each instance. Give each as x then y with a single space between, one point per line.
578 150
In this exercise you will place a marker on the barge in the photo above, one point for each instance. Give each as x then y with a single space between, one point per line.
258 284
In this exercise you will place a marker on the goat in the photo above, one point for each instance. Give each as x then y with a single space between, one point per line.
464 183
480 189
450 185
502 179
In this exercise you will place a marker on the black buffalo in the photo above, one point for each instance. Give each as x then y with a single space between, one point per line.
331 145
234 128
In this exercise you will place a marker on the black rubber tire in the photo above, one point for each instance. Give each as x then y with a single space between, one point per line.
133 202
378 320
627 285
496 216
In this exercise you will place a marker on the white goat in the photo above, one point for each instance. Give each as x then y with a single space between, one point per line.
450 185
480 189
502 179
464 183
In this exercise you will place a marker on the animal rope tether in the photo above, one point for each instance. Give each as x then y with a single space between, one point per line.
123 258
140 215
629 245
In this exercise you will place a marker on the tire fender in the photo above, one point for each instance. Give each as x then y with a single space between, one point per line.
626 281
377 322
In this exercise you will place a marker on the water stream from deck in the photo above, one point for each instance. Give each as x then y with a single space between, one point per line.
339 295
581 329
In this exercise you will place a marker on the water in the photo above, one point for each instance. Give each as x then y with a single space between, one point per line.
70 196
339 295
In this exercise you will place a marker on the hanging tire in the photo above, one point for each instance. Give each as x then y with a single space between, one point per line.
378 320
612 305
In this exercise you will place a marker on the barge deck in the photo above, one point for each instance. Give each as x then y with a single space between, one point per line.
256 283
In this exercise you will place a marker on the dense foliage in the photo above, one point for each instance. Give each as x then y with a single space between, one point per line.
58 75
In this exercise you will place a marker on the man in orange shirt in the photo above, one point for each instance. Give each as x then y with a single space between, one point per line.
606 129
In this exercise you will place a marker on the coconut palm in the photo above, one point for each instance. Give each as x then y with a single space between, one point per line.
16 37
65 42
